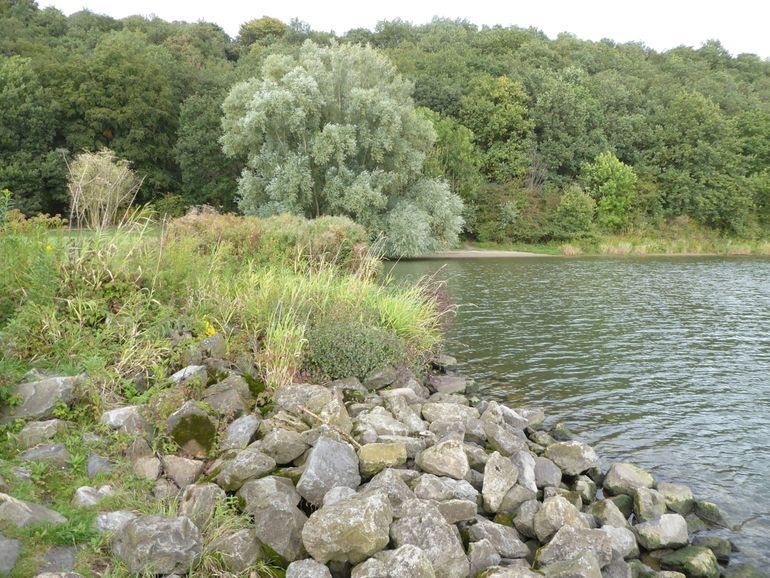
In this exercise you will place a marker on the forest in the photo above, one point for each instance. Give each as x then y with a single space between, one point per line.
540 138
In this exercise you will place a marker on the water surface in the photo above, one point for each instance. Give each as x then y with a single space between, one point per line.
664 362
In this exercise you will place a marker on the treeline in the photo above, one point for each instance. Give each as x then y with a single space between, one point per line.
541 138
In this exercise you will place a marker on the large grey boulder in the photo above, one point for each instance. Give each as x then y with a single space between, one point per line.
499 476
447 383
391 482
88 496
284 446
619 568
547 473
678 497
553 514
246 465
193 429
9 554
238 550
446 458
668 531
295 398
55 454
37 432
97 464
128 420
182 471
373 458
569 543
199 501
382 422
458 510
503 438
648 504
482 555
693 561
398 406
436 411
349 530
197 374
525 464
408 560
623 541
515 497
585 566
307 568
39 399
330 463
524 520
20 514
157 544
111 522
623 478
504 539
427 529
572 457
240 433
608 514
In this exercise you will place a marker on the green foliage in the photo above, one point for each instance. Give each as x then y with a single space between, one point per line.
612 184
339 348
334 131
575 213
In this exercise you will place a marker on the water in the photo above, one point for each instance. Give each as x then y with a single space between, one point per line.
664 362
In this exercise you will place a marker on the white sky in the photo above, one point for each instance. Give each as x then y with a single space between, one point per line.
740 25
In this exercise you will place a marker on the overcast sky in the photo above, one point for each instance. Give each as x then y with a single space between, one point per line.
741 25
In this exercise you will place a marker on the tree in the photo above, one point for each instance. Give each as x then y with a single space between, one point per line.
575 213
612 184
333 131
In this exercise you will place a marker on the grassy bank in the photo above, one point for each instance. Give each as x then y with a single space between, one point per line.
287 299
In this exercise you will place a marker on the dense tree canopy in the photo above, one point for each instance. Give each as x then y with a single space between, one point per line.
517 116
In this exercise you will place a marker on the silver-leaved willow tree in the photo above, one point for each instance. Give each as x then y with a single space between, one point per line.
333 131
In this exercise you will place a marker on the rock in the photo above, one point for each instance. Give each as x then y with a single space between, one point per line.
246 465
192 373
547 473
239 550
371 568
307 569
442 362
572 457
111 522
39 399
240 433
199 501
382 422
648 504
448 412
586 487
9 554
482 555
516 496
524 520
477 457
373 458
668 531
710 512
430 487
55 455
58 559
284 446
502 438
427 529
390 482
21 514
147 468
37 432
158 545
88 496
525 464
623 541
641 570
447 383
128 420
193 429
226 402
182 470
350 530
294 397
330 463
624 503
569 543
97 464
397 405
721 547
504 539
277 520
608 514
617 568
458 510
214 346
509 572
165 491
408 560
692 561
553 514
585 566
381 378
338 493
695 524
461 489
623 478
572 497
678 498
446 458
59 575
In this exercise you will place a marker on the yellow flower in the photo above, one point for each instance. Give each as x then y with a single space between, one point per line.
209 328
48 248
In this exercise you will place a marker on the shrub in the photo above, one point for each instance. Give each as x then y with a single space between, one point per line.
338 348
575 214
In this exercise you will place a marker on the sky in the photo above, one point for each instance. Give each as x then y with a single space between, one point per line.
740 25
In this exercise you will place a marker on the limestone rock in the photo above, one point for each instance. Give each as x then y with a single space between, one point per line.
678 497
434 411
569 543
294 397
128 420
382 422
330 463
516 496
54 454
246 465
623 478
693 561
350 530
199 501
193 429
572 457
447 383
373 458
482 555
720 546
20 514
648 504
408 560
427 529
37 432
525 464
111 522
238 550
192 373
157 544
182 471
710 512
623 541
277 522
458 510
240 433
668 531
585 566
499 476
307 569
524 521
446 458
381 378
9 554
503 438
547 473
608 514
97 464
267 491
147 467
40 398
504 539
553 514
284 446
338 493
390 482
88 496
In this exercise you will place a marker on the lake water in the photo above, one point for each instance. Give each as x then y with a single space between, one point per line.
664 362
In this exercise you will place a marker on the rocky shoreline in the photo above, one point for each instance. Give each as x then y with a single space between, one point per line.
393 477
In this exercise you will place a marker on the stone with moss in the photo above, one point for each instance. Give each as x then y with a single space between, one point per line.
678 497
693 561
247 465
720 546
39 399
668 531
624 478
373 458
584 566
157 545
709 512
648 504
193 429
238 550
625 504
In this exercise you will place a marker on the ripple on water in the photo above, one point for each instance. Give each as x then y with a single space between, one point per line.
663 362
